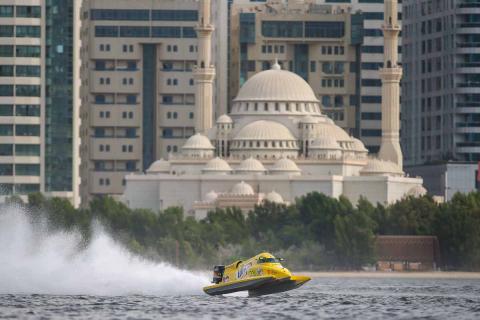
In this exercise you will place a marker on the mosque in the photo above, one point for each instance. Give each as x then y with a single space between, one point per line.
276 145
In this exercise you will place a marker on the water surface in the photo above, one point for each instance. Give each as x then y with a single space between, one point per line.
322 298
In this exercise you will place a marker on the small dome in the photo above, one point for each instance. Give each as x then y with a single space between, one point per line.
250 165
159 166
285 165
417 191
242 188
211 196
198 142
359 146
276 85
325 143
331 130
217 165
224 119
265 130
309 120
377 166
274 197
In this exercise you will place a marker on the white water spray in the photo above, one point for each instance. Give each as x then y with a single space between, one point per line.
32 261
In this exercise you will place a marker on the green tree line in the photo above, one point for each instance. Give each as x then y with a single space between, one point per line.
315 232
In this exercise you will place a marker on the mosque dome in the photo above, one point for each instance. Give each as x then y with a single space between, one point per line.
274 197
159 166
250 165
264 130
377 166
283 166
325 143
308 119
198 146
417 191
276 85
359 146
217 165
198 141
331 130
264 139
224 119
242 188
211 196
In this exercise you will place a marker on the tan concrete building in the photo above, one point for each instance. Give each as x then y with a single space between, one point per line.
38 123
318 42
138 86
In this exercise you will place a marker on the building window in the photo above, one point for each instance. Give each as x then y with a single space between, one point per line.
27 150
6 11
27 110
6 130
27 130
28 51
27 91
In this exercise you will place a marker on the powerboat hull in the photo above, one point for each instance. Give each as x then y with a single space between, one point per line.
258 286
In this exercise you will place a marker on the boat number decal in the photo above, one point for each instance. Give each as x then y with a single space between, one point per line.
255 272
242 272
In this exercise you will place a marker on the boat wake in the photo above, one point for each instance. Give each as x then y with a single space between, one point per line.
33 261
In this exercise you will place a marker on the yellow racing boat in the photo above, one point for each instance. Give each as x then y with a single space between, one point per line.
260 275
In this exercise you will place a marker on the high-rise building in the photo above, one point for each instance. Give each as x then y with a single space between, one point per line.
337 46
38 126
441 85
138 85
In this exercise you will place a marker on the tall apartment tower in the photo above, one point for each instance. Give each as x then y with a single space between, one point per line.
38 105
391 73
355 105
204 71
441 86
140 67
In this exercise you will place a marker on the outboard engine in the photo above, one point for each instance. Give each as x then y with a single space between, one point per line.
218 274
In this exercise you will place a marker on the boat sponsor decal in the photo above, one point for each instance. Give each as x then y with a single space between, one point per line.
242 272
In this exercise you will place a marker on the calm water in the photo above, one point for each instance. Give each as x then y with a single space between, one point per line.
323 298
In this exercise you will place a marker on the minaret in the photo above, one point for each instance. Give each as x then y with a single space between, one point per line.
391 73
204 72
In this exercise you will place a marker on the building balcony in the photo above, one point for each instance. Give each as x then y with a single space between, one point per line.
468 85
468 4
468 44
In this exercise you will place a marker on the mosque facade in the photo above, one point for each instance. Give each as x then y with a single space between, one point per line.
276 145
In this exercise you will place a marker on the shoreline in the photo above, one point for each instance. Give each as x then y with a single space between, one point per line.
399 275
